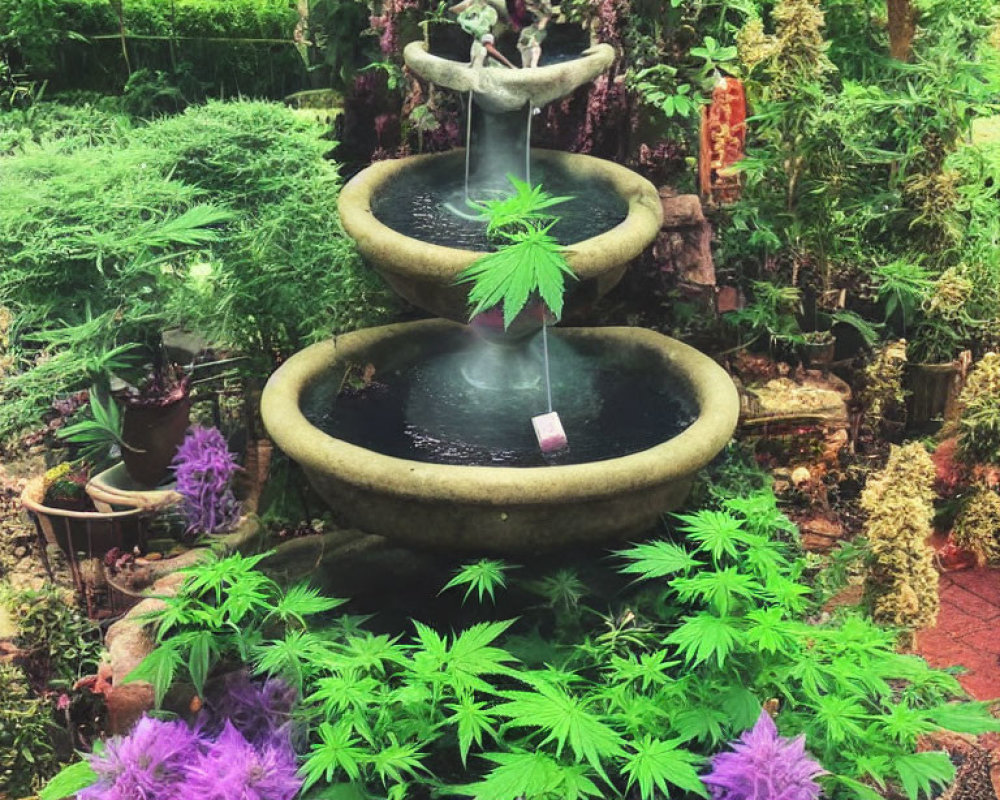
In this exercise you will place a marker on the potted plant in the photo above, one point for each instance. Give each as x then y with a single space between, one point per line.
155 417
934 370
64 516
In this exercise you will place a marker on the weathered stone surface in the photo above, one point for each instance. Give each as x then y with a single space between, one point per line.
499 89
684 245
424 273
496 509
816 397
680 210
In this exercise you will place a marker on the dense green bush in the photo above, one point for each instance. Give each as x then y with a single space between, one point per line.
56 39
222 220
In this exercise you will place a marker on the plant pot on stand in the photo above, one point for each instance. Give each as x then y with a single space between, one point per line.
86 537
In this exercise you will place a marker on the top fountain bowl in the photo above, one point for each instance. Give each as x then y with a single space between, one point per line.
424 273
498 89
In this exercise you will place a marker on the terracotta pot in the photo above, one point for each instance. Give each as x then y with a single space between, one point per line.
155 433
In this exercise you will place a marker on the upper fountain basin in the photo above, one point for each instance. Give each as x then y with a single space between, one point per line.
424 273
499 89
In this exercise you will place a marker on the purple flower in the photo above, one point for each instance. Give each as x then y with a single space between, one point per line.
257 709
148 764
231 768
764 766
204 468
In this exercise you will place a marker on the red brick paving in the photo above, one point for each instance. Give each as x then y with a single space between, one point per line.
968 630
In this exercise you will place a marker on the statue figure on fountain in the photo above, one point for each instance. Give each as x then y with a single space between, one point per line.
478 18
529 43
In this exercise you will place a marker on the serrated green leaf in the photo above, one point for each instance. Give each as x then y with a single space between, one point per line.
656 560
657 762
68 781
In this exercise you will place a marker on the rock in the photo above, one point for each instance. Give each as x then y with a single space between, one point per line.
680 210
800 476
820 534
20 552
813 399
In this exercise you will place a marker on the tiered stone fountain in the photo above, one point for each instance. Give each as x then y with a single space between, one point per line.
411 455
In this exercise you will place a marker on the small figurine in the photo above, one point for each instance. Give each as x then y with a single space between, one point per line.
478 18
529 43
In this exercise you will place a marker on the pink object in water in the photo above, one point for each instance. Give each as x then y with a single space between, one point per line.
549 432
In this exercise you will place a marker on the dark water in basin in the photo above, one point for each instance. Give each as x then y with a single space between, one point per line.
430 412
417 204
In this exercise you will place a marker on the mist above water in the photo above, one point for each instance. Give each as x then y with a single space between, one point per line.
422 407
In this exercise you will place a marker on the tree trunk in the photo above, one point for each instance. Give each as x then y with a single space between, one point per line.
902 25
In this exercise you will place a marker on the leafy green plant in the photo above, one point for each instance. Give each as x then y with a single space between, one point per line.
95 436
222 613
628 708
483 577
26 754
903 285
529 262
773 313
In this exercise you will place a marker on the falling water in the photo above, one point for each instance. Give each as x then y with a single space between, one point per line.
545 357
468 142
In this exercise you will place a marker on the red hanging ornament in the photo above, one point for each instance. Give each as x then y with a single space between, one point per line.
723 141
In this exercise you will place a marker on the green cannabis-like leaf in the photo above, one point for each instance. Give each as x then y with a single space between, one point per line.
531 775
525 208
481 577
531 263
656 560
565 718
656 762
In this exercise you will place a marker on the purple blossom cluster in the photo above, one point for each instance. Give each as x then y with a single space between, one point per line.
259 710
168 761
764 766
204 468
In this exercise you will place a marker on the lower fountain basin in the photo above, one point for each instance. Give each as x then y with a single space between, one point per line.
499 510
424 273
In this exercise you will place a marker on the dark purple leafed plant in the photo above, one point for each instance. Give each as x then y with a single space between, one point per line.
204 468
764 766
258 709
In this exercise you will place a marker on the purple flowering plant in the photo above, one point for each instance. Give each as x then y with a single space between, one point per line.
204 468
161 760
764 766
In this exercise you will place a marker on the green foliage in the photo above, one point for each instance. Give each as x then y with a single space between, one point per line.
60 645
26 753
220 220
523 210
482 577
530 261
223 612
69 781
713 630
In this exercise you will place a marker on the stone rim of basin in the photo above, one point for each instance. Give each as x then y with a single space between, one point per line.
498 89
424 273
676 458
